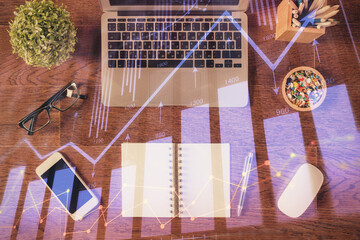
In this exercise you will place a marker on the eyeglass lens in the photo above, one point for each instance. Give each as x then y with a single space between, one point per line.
67 98
38 121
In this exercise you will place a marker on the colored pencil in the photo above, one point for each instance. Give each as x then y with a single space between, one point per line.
293 5
328 14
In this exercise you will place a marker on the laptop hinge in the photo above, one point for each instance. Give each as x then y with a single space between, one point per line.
175 14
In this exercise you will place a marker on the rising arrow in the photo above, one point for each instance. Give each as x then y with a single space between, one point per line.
276 89
195 71
315 43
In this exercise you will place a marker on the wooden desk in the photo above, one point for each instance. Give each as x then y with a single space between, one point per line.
283 139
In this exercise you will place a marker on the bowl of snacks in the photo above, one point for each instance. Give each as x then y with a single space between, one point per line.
304 89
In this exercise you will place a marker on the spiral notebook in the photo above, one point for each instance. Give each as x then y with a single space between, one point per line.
182 180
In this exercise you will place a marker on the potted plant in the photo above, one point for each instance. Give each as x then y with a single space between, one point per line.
42 33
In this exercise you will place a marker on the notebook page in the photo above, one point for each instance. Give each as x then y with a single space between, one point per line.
205 178
151 191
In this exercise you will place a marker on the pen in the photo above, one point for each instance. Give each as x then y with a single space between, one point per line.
246 172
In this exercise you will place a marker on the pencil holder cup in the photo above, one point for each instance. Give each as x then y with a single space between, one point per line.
285 31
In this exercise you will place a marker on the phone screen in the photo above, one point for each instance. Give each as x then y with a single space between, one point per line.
66 186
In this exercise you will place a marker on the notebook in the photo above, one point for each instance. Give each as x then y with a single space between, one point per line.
171 51
175 180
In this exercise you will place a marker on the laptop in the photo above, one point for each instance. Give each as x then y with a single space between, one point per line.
174 53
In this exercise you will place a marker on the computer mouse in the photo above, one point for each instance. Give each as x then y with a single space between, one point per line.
301 190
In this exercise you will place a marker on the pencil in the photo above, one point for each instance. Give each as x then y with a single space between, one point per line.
293 5
301 8
306 3
329 25
319 20
322 10
314 5
296 22
331 9
330 14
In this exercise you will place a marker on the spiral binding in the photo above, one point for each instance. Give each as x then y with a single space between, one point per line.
180 180
172 197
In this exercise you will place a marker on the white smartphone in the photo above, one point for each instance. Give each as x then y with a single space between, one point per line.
70 190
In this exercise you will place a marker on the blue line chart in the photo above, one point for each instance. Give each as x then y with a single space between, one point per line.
308 19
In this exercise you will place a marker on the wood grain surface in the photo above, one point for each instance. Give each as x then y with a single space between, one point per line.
328 137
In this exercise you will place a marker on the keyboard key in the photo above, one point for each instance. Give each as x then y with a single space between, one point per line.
112 27
150 20
191 36
184 45
154 36
165 45
131 20
187 26
196 26
199 63
207 54
237 65
170 19
231 54
177 27
173 36
182 36
219 36
199 35
180 54
113 36
189 54
216 54
142 54
132 54
170 54
121 63
121 26
156 45
193 44
149 27
126 36
135 36
223 26
210 36
221 45
139 27
141 19
203 45
160 19
137 45
144 36
198 54
209 63
208 19
113 54
175 45
199 20
218 65
130 27
141 63
158 26
128 45
115 45
124 54
161 54
228 63
232 27
121 19
168 26
130 63
151 54
216 27
229 45
169 63
147 45
237 37
205 26
112 64
163 36
189 19
112 20
228 36
180 20
212 45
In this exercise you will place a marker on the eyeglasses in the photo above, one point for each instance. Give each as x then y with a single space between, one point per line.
62 101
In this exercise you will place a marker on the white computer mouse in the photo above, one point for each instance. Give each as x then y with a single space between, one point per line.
301 190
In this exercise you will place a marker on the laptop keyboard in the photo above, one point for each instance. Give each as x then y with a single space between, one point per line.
165 42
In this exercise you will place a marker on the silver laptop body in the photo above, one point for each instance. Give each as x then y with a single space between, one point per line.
135 73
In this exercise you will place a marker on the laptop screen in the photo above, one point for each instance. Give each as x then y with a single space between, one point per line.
172 2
